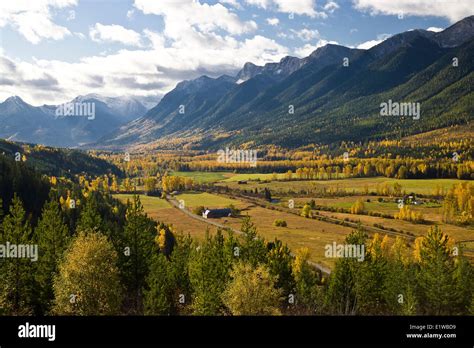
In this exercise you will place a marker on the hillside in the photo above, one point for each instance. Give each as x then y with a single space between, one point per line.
57 162
331 102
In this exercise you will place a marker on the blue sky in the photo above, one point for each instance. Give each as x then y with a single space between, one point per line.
54 50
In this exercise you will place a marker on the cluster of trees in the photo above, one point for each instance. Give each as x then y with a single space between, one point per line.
458 204
327 168
408 214
433 279
177 183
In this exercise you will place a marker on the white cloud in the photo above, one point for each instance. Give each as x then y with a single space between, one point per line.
182 17
114 33
371 43
130 14
298 7
368 44
306 34
233 3
259 3
307 49
435 29
33 19
453 10
331 6
273 21
197 39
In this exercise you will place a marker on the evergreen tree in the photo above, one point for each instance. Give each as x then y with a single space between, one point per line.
253 248
209 273
16 273
158 297
436 274
137 249
279 262
52 236
308 294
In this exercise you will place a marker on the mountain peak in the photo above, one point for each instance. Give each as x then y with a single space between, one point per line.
456 34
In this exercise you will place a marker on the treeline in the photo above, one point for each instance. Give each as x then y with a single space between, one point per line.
118 261
338 168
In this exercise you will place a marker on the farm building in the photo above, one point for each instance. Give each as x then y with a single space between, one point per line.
216 213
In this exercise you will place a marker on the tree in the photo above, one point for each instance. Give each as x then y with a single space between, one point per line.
88 279
436 274
209 273
251 291
16 273
253 247
137 249
308 295
306 211
52 236
158 298
358 207
279 263
341 296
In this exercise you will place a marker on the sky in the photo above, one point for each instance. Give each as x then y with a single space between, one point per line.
54 50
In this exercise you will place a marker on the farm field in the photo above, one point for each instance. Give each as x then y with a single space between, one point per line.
205 177
207 200
162 211
353 185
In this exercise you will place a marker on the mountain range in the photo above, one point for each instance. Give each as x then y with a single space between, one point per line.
333 95
20 121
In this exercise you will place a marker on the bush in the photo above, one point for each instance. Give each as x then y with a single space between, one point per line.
279 223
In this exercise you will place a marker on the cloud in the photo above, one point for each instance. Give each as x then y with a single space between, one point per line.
273 21
233 3
114 33
371 43
187 16
196 39
435 29
453 10
33 19
306 34
331 6
307 49
298 7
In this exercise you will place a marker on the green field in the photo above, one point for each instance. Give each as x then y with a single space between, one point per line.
356 185
207 200
204 177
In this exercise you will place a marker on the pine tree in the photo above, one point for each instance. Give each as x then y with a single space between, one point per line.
279 262
137 249
209 273
16 274
52 236
158 297
88 282
436 274
253 247
308 294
